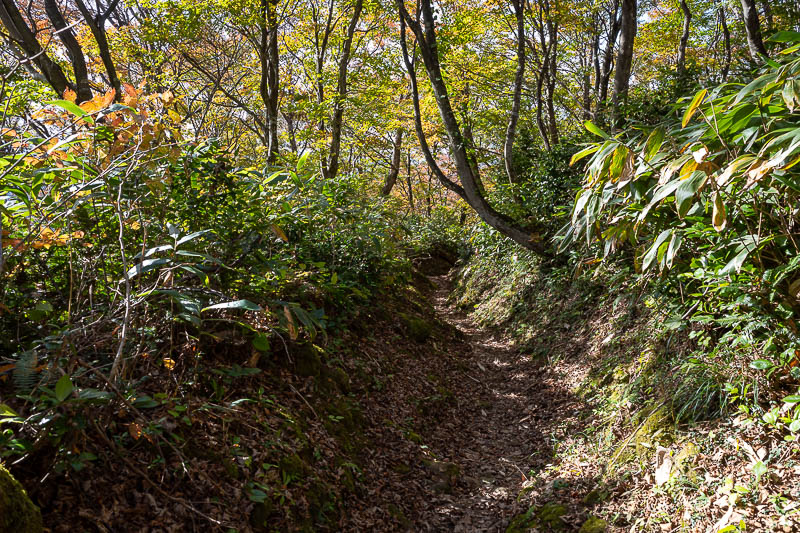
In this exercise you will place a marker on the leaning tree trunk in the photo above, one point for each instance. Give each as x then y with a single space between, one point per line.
97 25
17 513
469 190
752 27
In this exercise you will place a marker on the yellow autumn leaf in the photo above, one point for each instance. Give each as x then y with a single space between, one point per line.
169 364
70 96
693 107
279 232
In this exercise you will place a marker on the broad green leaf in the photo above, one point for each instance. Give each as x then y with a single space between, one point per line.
686 191
261 342
759 469
674 246
652 254
694 106
653 143
301 163
191 236
147 265
760 364
6 411
792 398
617 163
63 388
247 305
785 37
66 105
583 153
589 125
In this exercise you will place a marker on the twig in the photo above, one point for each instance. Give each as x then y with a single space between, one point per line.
304 400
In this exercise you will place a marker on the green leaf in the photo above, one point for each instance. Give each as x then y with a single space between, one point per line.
759 469
301 163
247 305
6 411
261 342
785 37
147 265
794 427
674 246
686 191
653 143
191 236
735 264
589 125
651 255
692 109
66 105
583 153
760 364
64 388
792 398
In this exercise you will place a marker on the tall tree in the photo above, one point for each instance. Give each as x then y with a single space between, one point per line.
622 74
687 20
519 78
97 25
752 27
424 30
330 167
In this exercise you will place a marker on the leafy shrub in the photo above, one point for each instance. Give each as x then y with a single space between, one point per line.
709 203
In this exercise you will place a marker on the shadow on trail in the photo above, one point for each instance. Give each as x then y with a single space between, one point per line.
458 431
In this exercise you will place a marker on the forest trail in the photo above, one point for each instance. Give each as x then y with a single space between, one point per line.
504 413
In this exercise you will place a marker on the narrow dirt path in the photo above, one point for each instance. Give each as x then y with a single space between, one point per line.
484 417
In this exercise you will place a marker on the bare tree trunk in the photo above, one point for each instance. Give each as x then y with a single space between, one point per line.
552 72
726 35
289 118
82 88
408 182
331 168
391 178
426 38
97 25
687 19
519 78
268 86
608 61
752 27
622 74
21 35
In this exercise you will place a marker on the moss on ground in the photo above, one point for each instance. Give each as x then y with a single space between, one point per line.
18 514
